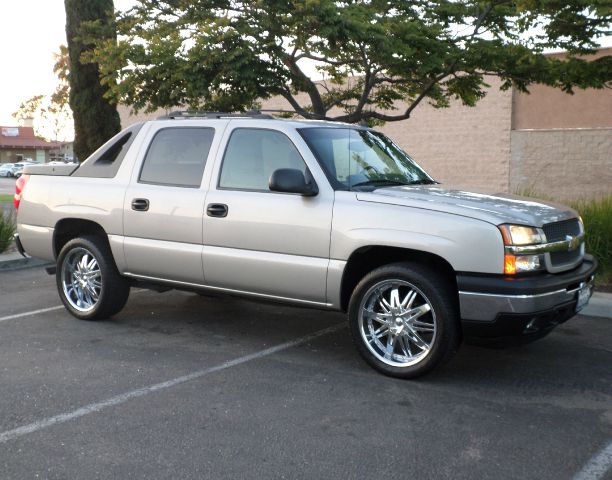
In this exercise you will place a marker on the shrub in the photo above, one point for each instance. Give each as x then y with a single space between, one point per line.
7 229
597 216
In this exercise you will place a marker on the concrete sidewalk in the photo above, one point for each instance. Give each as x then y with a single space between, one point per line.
14 261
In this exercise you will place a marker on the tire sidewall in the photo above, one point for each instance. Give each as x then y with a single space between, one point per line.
434 288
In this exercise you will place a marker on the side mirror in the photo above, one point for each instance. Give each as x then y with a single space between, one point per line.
290 180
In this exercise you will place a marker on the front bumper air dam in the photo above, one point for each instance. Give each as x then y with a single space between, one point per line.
495 306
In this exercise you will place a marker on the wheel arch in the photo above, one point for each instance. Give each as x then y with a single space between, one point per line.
68 228
367 258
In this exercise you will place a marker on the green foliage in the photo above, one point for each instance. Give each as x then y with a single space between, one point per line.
7 230
95 117
597 217
379 58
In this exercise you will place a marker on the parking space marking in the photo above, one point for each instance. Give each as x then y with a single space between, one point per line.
124 397
598 466
50 309
33 312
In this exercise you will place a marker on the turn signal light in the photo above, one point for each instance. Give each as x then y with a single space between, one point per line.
509 264
19 186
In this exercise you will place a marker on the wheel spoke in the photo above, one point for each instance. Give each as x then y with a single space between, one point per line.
390 346
376 316
422 326
408 300
415 338
419 311
405 344
395 300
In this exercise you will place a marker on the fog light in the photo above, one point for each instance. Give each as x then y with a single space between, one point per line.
521 263
527 263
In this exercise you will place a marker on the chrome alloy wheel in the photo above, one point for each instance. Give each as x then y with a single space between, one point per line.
81 279
397 323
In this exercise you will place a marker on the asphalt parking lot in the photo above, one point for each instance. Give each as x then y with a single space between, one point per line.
7 186
184 386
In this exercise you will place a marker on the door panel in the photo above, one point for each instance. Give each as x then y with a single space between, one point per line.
164 203
269 243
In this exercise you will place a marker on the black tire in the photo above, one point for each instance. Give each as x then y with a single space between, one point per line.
434 291
114 289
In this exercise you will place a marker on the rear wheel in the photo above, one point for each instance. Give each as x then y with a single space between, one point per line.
88 281
403 320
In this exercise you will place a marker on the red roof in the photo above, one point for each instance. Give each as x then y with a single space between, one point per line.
24 138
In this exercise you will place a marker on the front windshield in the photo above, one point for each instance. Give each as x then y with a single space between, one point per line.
363 160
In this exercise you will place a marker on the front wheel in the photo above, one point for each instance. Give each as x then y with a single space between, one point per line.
403 320
88 282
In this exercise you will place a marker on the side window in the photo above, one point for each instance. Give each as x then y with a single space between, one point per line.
177 156
105 162
252 155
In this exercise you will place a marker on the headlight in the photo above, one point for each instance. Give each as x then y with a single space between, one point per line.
521 235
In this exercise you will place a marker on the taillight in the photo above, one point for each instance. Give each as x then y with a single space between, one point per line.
19 186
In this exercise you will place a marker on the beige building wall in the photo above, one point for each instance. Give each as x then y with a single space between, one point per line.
562 163
545 107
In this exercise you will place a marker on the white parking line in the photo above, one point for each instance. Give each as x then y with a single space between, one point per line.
597 466
124 397
49 309
33 312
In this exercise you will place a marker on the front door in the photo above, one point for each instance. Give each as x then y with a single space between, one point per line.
260 241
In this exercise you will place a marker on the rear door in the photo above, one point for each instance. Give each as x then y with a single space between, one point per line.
164 203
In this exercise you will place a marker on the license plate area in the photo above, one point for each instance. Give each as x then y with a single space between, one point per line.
583 297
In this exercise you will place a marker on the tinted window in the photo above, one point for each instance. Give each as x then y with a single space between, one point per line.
177 156
105 162
253 154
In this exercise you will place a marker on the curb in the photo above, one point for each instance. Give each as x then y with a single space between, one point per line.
600 305
14 261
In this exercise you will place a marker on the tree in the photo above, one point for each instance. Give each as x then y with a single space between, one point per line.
95 117
381 57
53 110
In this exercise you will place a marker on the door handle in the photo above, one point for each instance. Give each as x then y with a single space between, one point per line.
217 210
140 204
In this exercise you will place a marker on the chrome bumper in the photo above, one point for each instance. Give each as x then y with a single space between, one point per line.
487 306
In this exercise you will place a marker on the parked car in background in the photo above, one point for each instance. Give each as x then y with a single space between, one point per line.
6 170
17 169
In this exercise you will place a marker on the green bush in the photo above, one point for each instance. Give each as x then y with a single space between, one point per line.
597 217
7 229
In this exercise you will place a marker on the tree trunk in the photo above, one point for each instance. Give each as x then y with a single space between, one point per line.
95 119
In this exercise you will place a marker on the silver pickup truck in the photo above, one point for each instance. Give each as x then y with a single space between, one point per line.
326 215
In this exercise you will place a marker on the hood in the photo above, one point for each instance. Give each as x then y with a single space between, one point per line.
495 208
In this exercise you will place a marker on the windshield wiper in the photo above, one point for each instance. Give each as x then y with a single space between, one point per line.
386 182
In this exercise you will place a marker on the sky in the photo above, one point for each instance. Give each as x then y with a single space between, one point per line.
30 32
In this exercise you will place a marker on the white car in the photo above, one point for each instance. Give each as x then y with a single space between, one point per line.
6 170
17 169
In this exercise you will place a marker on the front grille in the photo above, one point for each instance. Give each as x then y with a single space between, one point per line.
557 231
564 258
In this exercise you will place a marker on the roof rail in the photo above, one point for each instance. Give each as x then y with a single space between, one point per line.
265 113
205 114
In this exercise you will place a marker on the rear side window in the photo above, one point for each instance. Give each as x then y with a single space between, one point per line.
177 156
105 162
252 155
